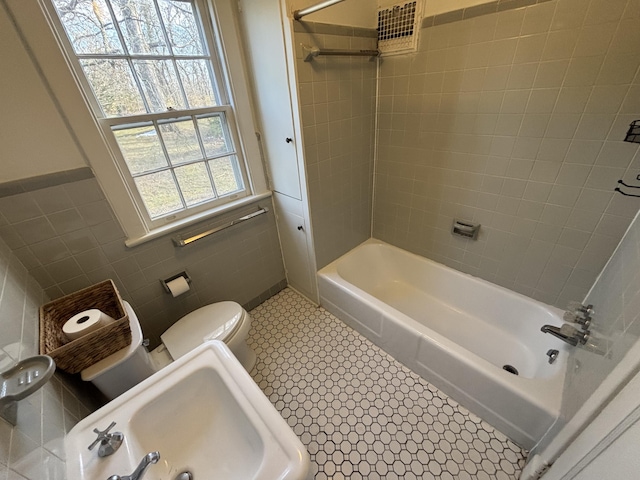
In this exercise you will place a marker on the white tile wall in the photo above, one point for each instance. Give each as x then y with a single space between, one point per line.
34 448
337 97
514 120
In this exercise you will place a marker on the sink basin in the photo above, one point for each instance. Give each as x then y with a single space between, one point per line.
204 414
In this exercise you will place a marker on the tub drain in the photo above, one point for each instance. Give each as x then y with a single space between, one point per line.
510 369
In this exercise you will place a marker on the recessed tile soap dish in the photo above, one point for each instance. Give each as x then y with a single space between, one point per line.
22 380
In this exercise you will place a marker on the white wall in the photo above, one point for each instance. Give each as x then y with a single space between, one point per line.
33 137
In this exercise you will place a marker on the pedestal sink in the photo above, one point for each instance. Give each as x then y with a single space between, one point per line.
204 414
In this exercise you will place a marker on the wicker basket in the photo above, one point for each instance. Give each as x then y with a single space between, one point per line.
74 356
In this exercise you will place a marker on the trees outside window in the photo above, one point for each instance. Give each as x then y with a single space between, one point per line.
152 76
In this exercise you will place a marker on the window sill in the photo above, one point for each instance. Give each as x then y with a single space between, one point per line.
199 217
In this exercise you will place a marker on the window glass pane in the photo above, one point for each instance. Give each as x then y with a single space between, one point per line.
140 27
159 84
197 83
89 26
115 102
141 149
183 33
181 141
214 135
194 183
159 193
226 175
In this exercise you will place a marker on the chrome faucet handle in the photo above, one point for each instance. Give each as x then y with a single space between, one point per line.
586 310
573 317
109 442
584 335
579 313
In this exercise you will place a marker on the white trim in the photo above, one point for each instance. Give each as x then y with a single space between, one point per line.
236 74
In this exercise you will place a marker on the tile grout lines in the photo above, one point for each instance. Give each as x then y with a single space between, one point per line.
360 413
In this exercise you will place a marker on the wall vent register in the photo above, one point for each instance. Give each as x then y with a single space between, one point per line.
398 28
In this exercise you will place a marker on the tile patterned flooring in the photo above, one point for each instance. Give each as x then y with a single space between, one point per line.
360 413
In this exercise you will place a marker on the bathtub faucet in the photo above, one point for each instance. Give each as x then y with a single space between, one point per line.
567 333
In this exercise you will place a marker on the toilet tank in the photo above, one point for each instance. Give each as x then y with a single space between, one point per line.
125 368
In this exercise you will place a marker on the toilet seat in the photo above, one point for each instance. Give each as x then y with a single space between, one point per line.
218 321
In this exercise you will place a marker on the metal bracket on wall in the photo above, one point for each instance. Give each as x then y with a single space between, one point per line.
617 189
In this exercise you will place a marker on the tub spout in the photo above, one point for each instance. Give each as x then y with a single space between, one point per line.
567 334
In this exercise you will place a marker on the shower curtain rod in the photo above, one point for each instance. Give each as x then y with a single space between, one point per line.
298 14
313 52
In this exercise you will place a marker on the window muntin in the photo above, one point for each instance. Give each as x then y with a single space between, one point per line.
169 118
192 160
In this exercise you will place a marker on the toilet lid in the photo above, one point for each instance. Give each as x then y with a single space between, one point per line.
217 321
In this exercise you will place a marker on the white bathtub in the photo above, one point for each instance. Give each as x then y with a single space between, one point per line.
456 331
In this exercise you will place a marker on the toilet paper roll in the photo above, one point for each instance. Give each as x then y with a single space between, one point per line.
178 286
84 323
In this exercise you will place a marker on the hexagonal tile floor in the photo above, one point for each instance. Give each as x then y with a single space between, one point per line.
360 413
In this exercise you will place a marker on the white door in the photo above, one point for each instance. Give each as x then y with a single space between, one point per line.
294 237
267 32
267 56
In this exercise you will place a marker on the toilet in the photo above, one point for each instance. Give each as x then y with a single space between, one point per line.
224 321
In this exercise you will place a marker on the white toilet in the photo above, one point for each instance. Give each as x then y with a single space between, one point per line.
225 321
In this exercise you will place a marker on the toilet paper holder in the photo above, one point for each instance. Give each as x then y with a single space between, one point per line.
177 275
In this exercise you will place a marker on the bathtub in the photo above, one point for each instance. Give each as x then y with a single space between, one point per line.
456 331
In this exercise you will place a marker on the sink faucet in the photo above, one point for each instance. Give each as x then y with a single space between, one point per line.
567 334
138 473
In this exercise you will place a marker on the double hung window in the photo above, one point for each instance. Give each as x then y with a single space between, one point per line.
152 74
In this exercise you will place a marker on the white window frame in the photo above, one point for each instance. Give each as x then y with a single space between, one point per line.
220 26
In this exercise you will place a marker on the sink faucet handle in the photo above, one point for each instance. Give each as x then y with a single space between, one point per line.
102 434
109 442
